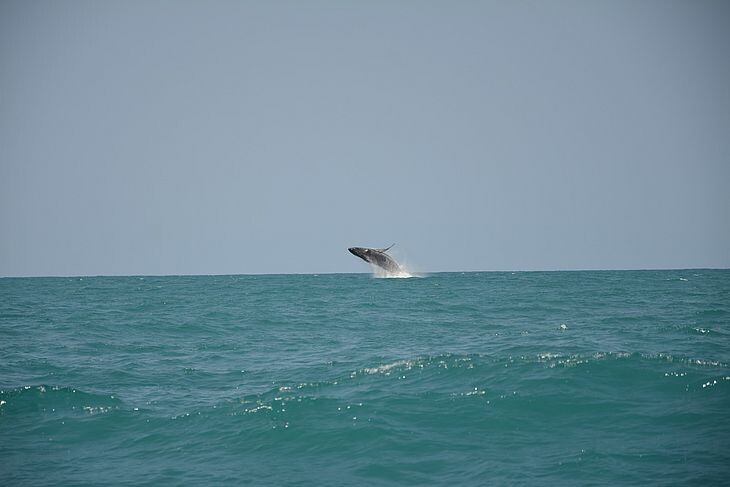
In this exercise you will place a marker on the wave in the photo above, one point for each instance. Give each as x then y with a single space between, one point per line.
447 373
453 376
459 408
60 400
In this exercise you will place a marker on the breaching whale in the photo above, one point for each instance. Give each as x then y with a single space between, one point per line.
377 257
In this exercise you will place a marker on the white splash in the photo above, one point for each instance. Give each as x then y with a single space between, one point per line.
405 272
380 273
386 368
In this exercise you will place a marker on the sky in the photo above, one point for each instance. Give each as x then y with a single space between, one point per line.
236 137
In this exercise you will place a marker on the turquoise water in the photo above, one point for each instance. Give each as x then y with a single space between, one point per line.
563 378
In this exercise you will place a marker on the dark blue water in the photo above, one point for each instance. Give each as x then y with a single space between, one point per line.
564 378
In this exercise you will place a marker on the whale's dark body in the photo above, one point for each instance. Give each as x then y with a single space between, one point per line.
377 257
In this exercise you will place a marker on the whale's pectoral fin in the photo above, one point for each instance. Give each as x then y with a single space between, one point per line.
386 249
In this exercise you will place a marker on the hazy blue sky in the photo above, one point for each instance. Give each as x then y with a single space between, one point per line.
180 137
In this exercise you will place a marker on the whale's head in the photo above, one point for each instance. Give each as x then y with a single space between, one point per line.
362 252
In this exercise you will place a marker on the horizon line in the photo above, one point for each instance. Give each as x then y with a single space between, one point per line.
74 276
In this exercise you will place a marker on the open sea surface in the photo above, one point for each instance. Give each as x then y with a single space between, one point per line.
498 378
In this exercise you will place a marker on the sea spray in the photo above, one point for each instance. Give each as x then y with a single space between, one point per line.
381 273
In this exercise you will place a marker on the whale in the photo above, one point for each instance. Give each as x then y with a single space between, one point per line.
377 257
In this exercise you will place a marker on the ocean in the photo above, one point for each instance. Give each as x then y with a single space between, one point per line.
477 378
